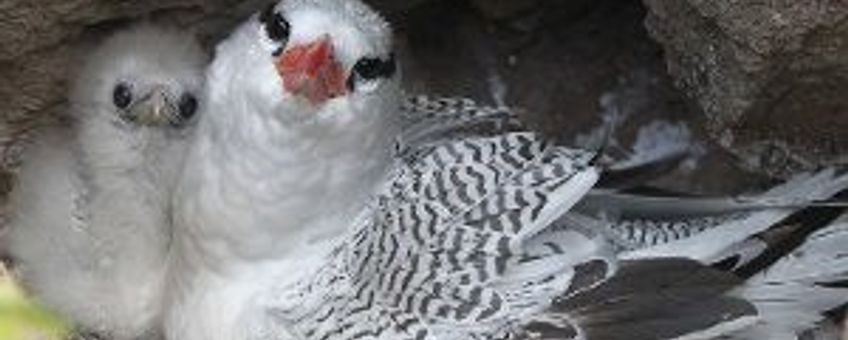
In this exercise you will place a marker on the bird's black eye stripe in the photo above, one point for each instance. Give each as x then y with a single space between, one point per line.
276 26
372 69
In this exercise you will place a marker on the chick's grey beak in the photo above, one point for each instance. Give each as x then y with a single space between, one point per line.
156 109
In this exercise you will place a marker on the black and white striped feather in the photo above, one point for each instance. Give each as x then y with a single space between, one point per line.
700 228
442 253
796 293
470 239
784 243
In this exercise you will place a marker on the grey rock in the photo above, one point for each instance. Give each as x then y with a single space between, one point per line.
770 76
556 59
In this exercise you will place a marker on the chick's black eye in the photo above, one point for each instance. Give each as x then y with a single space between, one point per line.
188 106
122 96
276 26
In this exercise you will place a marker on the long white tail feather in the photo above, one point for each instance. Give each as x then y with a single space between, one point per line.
711 243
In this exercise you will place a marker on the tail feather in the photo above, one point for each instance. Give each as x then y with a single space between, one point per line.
813 233
761 251
795 294
794 258
803 190
709 245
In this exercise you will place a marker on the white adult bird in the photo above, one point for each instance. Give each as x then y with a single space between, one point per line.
90 212
302 114
298 218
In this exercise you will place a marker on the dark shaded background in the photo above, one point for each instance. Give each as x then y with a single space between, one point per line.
564 65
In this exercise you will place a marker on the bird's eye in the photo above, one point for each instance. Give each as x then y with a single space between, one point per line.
122 96
372 68
188 106
276 26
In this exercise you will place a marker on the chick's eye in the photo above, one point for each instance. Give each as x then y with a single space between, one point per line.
188 106
122 96
276 26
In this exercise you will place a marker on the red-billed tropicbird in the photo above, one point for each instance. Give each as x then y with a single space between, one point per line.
313 206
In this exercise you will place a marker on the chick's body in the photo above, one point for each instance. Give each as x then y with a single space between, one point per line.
90 212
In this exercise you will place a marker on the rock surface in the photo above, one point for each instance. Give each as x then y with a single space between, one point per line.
770 75
556 60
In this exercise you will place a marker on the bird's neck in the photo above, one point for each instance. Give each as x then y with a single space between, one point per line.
258 190
258 207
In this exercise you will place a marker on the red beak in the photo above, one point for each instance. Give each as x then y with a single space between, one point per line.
312 71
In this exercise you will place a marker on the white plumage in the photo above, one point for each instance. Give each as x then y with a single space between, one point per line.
313 206
90 216
271 177
793 293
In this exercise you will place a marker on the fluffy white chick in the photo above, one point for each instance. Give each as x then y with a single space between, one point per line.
90 212
303 103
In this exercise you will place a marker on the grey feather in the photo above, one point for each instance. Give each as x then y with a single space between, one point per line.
649 299
794 294
705 229
801 191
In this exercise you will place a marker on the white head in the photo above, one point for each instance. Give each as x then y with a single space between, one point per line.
323 70
137 93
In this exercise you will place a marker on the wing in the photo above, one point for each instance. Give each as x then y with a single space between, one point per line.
448 250
427 120
470 240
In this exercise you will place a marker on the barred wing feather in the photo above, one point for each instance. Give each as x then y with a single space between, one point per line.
442 253
470 238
